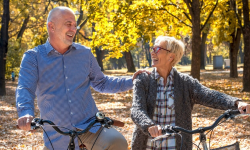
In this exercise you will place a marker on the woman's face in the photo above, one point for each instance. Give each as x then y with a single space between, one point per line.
161 57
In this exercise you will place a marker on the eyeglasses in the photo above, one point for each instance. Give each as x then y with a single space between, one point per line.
157 49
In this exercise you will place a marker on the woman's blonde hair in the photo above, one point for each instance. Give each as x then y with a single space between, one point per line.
175 46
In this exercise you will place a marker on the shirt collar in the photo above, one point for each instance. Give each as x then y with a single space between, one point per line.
49 48
171 74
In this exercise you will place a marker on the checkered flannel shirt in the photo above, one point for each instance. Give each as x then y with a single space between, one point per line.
164 113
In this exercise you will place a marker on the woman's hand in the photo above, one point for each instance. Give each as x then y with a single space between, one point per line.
243 106
155 130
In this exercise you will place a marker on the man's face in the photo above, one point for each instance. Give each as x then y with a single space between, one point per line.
65 28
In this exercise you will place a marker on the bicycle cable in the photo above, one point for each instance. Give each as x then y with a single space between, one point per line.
79 139
196 145
53 126
181 139
47 136
213 130
97 138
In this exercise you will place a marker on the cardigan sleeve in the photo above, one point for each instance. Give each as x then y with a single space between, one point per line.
139 113
210 98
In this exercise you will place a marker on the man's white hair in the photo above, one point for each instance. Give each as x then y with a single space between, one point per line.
55 11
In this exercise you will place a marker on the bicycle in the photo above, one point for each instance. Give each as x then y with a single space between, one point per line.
168 131
99 118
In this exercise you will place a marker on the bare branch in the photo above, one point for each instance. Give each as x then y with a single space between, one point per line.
189 5
182 9
209 15
175 17
84 22
238 18
85 37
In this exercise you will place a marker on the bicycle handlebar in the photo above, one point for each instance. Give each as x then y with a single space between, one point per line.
100 117
176 129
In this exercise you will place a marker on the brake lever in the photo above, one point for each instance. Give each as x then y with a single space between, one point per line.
107 122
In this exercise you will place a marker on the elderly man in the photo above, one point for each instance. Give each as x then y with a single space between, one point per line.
60 74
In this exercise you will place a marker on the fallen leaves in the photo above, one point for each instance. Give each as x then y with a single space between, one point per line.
117 106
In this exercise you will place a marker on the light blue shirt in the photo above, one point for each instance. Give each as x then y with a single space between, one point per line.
62 83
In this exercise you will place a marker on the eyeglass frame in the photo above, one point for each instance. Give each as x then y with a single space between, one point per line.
153 49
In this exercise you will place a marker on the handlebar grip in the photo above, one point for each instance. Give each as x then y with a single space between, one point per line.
118 123
235 112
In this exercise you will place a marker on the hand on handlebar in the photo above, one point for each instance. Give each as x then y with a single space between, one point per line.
244 108
24 122
155 130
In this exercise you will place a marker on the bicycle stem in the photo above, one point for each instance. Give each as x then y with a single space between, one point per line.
203 140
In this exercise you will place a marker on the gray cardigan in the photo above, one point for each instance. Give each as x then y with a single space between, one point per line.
187 92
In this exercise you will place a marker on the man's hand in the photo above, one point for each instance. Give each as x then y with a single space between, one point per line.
24 122
155 130
139 72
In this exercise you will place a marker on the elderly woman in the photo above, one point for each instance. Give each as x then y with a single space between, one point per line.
167 97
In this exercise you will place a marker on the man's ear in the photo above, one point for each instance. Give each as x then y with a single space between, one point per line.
51 26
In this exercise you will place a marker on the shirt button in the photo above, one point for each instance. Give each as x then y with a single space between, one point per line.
66 77
68 89
71 113
70 101
64 66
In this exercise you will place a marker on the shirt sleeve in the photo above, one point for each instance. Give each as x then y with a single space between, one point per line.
27 82
106 84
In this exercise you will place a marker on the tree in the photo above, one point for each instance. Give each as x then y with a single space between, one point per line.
203 46
125 22
227 30
234 45
245 28
4 44
246 36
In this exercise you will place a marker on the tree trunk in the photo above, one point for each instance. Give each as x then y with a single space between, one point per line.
241 53
148 54
234 48
78 23
99 53
246 35
99 56
120 63
129 61
203 46
138 59
4 45
196 40
210 57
